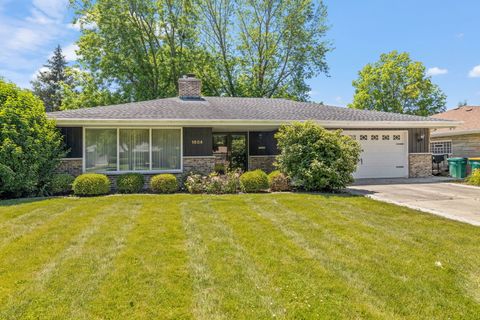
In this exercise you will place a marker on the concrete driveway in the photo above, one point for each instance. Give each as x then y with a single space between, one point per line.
434 195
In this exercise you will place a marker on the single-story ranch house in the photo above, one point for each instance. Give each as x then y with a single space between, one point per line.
194 133
462 141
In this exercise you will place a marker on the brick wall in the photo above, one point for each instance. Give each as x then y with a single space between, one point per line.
71 166
419 165
203 165
261 162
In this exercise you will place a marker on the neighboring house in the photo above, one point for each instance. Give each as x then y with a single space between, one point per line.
193 133
461 141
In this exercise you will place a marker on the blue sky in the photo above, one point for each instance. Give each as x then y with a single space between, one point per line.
443 34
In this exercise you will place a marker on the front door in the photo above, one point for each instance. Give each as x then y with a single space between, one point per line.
231 150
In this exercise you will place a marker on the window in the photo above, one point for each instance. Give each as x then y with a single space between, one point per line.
100 150
166 149
354 137
441 147
396 137
72 140
137 149
374 137
385 137
134 149
363 137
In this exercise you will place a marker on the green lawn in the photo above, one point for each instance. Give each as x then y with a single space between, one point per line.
260 256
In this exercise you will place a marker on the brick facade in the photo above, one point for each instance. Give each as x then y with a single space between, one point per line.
203 165
264 163
70 166
419 165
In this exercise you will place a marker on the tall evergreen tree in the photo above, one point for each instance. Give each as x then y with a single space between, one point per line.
48 84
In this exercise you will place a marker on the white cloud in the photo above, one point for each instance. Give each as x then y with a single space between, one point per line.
36 73
475 72
28 40
69 52
53 8
436 71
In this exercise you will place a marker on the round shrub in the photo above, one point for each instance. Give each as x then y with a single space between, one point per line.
61 183
278 181
130 183
315 158
91 184
254 181
474 179
164 183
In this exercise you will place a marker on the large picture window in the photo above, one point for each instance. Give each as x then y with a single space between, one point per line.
133 149
100 150
166 149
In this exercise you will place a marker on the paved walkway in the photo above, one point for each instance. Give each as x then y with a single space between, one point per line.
435 195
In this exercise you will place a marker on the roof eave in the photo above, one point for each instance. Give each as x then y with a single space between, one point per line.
454 133
240 122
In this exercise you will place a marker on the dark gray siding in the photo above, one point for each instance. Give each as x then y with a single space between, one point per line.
72 139
262 143
197 142
415 143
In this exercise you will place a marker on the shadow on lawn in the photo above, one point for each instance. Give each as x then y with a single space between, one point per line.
14 202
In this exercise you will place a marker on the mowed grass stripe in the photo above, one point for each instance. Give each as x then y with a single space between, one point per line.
21 225
305 287
21 259
206 304
327 253
29 210
378 262
150 278
65 284
248 287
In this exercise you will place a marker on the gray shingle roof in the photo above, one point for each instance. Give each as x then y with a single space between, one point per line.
227 108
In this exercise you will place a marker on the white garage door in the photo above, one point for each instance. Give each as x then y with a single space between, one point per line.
384 154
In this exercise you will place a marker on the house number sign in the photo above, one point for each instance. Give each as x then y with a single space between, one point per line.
197 141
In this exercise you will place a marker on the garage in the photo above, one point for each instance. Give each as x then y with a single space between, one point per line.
384 153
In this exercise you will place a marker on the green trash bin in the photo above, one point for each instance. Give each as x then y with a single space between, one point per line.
474 164
457 167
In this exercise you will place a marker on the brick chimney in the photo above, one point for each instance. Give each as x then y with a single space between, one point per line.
189 87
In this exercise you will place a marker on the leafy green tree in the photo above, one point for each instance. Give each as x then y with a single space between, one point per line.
395 83
47 85
265 48
30 146
316 158
86 91
141 46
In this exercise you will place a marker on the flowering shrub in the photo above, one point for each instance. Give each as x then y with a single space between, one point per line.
278 181
214 183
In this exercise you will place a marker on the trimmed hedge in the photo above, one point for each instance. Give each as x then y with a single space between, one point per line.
61 184
474 179
254 181
164 183
130 183
91 184
278 181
